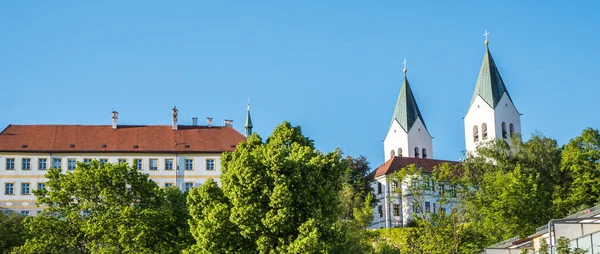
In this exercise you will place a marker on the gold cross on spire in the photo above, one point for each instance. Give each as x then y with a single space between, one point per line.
486 36
404 65
248 103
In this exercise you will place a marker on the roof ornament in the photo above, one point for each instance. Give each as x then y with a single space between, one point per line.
248 102
486 37
404 70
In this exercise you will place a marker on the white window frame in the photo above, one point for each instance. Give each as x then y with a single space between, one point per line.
171 164
23 163
185 162
69 160
54 160
12 186
28 189
12 160
150 164
186 187
140 164
42 166
213 165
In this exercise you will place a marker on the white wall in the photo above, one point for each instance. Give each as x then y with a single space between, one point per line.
395 138
178 176
417 136
481 112
388 198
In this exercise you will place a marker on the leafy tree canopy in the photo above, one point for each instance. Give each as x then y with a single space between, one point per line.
107 208
278 196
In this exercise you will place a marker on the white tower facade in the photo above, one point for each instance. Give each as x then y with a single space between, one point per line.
492 113
407 135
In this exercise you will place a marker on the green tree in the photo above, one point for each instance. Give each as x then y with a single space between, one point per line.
357 187
12 231
107 208
580 166
434 231
278 196
563 246
510 186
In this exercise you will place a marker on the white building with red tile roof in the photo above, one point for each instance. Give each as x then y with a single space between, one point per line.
179 155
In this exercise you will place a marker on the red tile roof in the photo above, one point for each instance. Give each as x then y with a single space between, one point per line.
102 138
396 163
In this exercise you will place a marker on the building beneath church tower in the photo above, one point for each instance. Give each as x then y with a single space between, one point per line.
491 115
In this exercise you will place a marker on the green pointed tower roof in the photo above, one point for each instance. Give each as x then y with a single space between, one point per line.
489 83
406 111
248 125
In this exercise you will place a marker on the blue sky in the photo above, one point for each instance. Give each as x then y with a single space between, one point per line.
332 67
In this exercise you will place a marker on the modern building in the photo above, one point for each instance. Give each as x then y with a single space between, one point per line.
172 155
582 229
491 115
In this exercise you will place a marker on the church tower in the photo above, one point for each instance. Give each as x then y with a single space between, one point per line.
407 135
492 114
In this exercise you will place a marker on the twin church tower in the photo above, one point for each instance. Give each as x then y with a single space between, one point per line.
491 115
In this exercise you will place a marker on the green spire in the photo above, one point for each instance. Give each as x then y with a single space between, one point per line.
248 124
406 111
489 83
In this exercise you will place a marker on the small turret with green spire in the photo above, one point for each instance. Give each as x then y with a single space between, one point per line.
248 124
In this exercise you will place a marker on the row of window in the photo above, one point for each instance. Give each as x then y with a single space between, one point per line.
424 153
428 185
484 134
72 163
9 188
416 209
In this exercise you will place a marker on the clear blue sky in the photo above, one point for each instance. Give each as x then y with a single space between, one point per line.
332 67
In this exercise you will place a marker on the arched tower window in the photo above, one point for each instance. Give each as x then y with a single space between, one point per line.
504 130
392 153
400 152
424 153
475 133
484 131
416 152
512 129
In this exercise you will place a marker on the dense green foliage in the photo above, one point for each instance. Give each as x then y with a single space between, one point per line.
282 195
278 196
107 208
12 231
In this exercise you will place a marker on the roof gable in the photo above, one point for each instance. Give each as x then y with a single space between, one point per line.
406 111
126 138
490 86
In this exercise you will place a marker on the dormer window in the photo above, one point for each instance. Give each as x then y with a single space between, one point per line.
72 145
